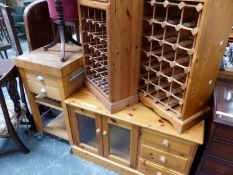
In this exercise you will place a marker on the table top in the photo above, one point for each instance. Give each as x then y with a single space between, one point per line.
50 61
223 102
6 65
138 115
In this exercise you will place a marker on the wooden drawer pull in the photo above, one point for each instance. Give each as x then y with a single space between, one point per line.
165 143
162 160
105 133
40 78
43 91
98 131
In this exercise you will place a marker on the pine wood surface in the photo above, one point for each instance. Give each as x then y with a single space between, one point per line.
59 81
48 62
137 114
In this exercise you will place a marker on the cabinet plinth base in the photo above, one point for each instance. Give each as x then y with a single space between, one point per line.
179 125
112 107
104 162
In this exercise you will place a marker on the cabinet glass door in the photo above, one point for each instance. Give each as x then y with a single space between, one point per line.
117 140
88 131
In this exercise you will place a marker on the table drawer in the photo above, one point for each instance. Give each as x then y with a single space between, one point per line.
47 91
150 168
167 143
224 132
164 159
221 150
45 80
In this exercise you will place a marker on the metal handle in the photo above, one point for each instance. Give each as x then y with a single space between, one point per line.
98 131
43 91
162 159
40 78
165 143
76 74
105 133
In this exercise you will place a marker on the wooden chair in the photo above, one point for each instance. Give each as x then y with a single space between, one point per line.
14 41
10 29
38 25
13 110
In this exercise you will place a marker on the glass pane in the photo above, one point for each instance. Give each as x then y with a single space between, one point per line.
87 130
119 142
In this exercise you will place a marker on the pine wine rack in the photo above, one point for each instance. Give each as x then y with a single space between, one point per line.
111 37
180 56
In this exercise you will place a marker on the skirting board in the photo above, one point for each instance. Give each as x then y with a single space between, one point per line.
112 107
104 162
179 125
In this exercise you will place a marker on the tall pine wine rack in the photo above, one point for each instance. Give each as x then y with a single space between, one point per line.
111 36
182 46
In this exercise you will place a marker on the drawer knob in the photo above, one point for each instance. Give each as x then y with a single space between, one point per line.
98 131
158 173
43 91
105 133
165 143
40 78
162 159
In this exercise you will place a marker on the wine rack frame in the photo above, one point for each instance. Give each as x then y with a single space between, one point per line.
111 38
174 79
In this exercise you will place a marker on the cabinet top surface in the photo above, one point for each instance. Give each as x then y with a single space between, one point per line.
138 115
38 59
223 100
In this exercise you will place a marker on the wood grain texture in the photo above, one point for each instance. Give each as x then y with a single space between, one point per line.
171 161
149 168
123 25
59 79
210 46
137 114
104 162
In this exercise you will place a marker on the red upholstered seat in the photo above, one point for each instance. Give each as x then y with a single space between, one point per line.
70 10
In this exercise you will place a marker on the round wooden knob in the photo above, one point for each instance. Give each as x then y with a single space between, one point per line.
98 131
40 78
165 143
105 133
162 160
43 91
158 173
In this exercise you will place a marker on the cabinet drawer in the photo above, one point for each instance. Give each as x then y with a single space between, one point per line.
222 150
167 143
45 80
215 167
163 158
224 132
150 168
47 91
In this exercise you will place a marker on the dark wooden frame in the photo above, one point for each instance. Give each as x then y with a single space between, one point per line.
11 75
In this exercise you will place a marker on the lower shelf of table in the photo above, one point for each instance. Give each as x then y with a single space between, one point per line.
57 127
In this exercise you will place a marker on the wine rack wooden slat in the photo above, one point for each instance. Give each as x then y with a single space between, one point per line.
182 44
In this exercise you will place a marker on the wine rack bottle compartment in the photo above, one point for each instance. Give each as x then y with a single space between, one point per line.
95 47
170 30
111 46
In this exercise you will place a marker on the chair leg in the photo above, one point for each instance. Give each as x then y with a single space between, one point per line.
28 114
55 41
18 142
10 127
5 54
62 37
3 152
